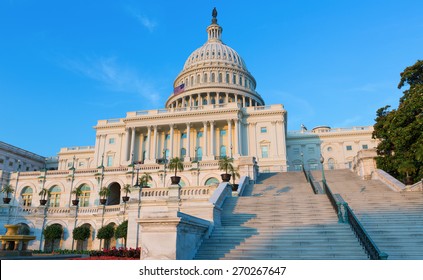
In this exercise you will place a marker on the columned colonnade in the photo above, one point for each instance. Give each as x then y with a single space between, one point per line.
214 98
147 143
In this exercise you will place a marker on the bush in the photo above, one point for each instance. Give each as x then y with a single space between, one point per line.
130 253
106 232
81 233
121 230
53 232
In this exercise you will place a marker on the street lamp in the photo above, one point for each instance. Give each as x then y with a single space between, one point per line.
231 150
322 160
302 160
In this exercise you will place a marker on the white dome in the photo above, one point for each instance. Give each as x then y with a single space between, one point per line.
214 51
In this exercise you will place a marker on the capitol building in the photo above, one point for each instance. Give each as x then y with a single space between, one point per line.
214 112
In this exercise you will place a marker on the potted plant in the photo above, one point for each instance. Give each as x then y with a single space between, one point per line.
7 189
127 189
176 164
145 178
225 164
104 193
407 168
77 192
234 174
44 193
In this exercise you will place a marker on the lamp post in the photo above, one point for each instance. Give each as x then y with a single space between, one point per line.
302 161
45 208
322 160
72 179
231 150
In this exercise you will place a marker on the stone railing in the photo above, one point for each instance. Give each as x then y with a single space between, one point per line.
223 191
244 182
417 187
388 180
186 193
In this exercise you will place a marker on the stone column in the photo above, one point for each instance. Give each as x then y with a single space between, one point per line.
147 145
205 150
188 154
126 149
228 146
212 139
236 138
155 143
208 98
132 144
171 140
97 147
274 142
243 101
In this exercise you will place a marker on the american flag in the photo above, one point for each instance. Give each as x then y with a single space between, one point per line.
179 89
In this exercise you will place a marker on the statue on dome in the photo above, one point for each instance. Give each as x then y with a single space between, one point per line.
214 15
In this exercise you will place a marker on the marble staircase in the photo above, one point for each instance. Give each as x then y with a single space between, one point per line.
280 218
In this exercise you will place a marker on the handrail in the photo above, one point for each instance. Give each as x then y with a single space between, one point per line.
366 241
309 178
339 205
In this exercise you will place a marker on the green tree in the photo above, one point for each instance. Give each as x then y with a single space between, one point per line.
81 233
106 233
51 233
122 231
401 130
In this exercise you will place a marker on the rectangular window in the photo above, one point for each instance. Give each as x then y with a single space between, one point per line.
263 129
109 160
69 164
111 140
365 147
1 160
264 151
296 151
10 163
81 163
349 148
222 132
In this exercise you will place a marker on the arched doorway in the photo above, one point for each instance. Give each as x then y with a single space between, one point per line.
114 197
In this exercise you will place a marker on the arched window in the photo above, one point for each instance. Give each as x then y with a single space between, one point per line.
234 79
192 81
212 181
198 79
205 78
55 196
227 78
220 77
167 153
212 77
27 196
84 198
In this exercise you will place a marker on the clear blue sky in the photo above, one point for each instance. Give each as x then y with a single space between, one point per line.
66 64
